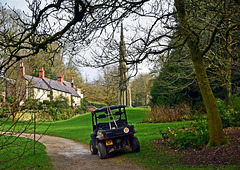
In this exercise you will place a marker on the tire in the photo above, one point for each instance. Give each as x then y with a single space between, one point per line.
102 151
93 148
135 144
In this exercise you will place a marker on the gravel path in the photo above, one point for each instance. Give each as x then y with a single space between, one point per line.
66 154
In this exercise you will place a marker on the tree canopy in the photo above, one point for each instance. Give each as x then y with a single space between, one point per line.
75 23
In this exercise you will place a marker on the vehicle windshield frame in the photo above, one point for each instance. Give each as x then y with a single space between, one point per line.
118 110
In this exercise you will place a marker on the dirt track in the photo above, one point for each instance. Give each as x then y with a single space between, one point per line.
70 155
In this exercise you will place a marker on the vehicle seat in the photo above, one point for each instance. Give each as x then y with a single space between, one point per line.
121 123
103 126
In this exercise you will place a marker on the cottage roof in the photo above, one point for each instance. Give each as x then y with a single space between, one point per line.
56 85
66 83
72 91
61 87
37 82
48 84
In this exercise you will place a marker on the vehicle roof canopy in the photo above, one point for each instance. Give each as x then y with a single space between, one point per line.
104 109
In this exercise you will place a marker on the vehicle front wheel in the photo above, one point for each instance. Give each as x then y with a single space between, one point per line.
93 148
135 144
102 151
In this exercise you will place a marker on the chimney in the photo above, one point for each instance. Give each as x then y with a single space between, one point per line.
22 70
41 73
60 78
71 81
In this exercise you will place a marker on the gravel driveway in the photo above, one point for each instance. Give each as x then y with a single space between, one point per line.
66 154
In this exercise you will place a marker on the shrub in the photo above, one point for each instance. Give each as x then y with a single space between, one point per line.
42 115
236 102
61 102
3 115
182 139
31 104
165 113
78 110
52 111
40 105
230 116
84 105
63 116
235 119
46 102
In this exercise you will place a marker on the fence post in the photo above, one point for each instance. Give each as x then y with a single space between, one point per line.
34 133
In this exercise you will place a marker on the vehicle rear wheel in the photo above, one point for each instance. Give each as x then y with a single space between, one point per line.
93 148
135 144
102 151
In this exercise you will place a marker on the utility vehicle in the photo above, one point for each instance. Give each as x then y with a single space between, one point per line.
111 131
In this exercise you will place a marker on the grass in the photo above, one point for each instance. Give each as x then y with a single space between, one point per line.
19 155
79 128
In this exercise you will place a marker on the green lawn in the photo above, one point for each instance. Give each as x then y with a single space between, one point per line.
79 128
20 154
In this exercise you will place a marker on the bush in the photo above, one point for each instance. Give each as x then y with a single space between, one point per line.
40 105
61 114
166 114
182 139
79 110
235 119
230 116
84 105
46 102
236 102
3 115
31 104
61 102
52 111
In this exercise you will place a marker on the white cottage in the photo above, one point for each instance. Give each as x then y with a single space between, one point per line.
43 88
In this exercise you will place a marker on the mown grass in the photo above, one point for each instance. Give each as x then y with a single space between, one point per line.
79 128
20 154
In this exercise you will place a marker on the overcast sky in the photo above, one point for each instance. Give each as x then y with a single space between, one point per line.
89 74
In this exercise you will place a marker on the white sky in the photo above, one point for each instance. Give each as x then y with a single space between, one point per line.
89 74
18 4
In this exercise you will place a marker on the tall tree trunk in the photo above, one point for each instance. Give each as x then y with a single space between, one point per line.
216 133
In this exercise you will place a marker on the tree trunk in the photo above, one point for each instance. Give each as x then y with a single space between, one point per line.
216 133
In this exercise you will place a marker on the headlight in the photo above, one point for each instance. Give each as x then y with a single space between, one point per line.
100 134
126 130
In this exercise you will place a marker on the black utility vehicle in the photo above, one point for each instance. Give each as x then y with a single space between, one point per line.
111 131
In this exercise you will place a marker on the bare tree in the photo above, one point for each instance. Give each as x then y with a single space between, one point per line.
104 88
110 82
141 89
78 21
